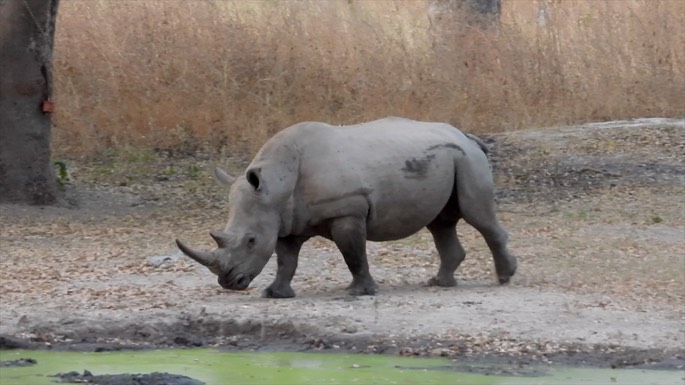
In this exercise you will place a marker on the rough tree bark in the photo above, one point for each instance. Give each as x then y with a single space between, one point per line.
477 13
487 11
26 41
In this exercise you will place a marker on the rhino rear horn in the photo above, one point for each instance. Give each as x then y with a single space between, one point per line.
220 238
204 258
223 177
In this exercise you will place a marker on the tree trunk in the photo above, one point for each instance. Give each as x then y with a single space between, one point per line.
26 40
476 13
487 10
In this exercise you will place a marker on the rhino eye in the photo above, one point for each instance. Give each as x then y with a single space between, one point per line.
250 242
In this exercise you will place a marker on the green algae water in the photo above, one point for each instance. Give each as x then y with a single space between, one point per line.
214 367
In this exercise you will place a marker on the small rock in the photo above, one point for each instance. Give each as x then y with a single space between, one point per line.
19 362
126 378
163 261
439 352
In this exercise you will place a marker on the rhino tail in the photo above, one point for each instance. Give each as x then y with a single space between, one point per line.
479 142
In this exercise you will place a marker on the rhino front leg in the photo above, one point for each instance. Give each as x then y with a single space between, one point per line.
287 252
349 235
451 253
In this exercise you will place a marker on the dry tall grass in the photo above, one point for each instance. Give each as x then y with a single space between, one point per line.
228 74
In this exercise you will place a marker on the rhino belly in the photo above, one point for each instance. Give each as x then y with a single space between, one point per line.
404 206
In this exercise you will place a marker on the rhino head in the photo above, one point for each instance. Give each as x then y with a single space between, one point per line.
249 240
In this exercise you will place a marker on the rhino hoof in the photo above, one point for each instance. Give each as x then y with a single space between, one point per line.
356 289
283 292
503 280
506 270
442 282
505 276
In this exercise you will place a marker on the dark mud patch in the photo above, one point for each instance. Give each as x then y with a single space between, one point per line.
569 163
671 363
569 178
18 363
491 370
8 342
279 336
126 379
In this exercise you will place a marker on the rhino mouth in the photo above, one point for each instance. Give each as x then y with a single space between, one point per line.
238 282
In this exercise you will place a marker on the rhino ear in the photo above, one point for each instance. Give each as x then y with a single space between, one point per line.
254 178
223 177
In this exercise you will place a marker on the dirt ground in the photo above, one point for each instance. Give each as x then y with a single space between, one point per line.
596 215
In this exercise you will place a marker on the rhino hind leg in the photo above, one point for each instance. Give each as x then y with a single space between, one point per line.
349 235
287 252
480 213
444 232
450 251
505 263
475 202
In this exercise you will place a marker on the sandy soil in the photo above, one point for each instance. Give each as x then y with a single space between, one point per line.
596 215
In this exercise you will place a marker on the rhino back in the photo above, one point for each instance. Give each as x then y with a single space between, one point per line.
401 172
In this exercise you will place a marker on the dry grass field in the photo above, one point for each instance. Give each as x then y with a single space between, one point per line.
225 75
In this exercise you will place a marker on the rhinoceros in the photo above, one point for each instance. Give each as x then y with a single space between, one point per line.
378 181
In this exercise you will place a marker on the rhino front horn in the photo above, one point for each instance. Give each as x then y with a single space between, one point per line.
206 259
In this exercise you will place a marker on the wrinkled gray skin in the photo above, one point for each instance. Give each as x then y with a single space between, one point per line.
378 181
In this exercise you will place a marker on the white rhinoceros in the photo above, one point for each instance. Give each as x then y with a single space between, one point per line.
377 181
